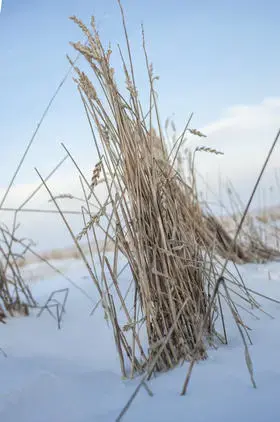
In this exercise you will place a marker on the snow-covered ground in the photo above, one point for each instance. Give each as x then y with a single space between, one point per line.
72 374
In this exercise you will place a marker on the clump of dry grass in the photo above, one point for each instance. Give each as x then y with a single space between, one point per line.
15 295
257 243
259 238
154 219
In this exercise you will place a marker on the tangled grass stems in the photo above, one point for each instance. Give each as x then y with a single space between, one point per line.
155 219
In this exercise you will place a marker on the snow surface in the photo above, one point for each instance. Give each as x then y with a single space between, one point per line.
72 374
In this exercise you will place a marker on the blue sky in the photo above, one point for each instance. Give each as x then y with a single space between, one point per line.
211 56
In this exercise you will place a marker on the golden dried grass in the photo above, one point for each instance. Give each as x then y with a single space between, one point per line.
154 220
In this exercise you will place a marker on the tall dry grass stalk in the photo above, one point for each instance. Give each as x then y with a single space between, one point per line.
153 217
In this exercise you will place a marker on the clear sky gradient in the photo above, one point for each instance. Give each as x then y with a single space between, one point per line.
211 56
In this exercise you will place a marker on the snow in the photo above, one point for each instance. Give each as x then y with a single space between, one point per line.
72 374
